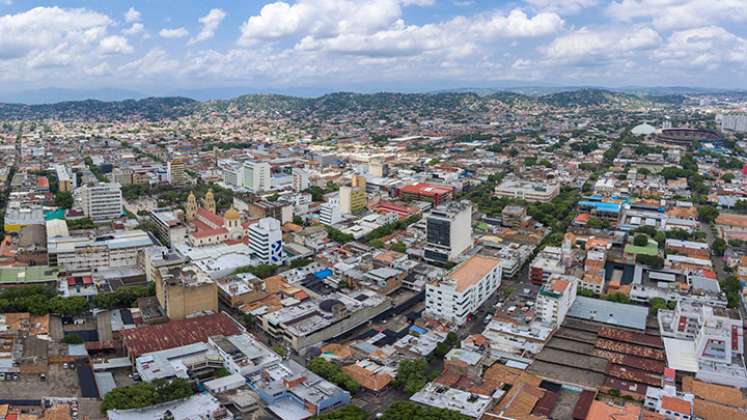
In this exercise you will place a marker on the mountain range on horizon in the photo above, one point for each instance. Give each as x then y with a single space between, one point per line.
53 95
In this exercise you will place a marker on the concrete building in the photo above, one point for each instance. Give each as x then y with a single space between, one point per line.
378 168
459 293
330 213
100 202
185 291
670 403
256 176
65 178
170 226
300 179
18 216
533 192
313 321
465 403
81 253
177 172
448 231
546 263
353 197
706 341
266 241
514 216
555 298
734 122
292 392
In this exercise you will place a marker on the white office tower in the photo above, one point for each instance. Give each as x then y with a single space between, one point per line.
458 294
448 231
330 213
555 299
300 179
256 176
266 241
100 202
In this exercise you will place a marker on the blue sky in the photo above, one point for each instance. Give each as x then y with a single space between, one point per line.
158 46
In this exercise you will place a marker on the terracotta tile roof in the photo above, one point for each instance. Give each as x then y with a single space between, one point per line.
470 272
677 405
368 379
717 393
736 220
708 410
210 216
601 410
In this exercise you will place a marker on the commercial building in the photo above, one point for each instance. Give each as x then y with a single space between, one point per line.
65 178
185 291
170 226
533 192
256 176
459 293
177 172
448 231
706 341
555 299
201 406
292 392
514 216
313 321
266 241
433 193
100 202
465 403
81 253
18 216
378 168
353 197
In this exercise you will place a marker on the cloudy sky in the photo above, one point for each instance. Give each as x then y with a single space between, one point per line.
149 45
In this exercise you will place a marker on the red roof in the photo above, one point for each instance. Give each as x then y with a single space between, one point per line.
172 334
42 182
426 189
210 216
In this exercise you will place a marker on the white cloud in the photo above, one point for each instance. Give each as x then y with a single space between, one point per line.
114 45
173 33
705 47
679 14
562 6
600 46
155 62
210 23
132 15
137 28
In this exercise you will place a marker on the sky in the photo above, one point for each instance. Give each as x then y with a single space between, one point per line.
159 46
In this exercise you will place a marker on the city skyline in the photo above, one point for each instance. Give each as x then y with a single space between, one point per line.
400 45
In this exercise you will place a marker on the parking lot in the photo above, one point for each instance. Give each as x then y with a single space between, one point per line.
60 382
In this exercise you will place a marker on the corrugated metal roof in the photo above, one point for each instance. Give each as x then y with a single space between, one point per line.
606 312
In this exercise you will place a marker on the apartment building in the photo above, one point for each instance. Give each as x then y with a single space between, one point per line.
185 291
256 176
329 212
555 299
266 241
459 293
353 197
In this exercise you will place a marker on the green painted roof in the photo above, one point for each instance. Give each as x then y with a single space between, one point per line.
34 274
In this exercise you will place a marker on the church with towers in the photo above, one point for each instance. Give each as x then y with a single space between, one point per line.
207 227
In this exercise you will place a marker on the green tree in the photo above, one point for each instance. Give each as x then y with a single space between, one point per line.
653 261
349 412
411 376
407 410
333 373
719 247
655 304
707 214
398 246
144 394
640 240
262 271
63 199
72 339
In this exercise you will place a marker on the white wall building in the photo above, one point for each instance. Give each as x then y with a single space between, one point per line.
266 241
448 231
300 179
330 213
555 298
462 290
256 176
100 202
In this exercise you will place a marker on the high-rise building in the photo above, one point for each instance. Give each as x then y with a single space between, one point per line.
448 231
734 122
377 167
177 172
185 291
353 197
300 179
256 176
329 212
266 241
65 178
555 298
457 295
100 202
